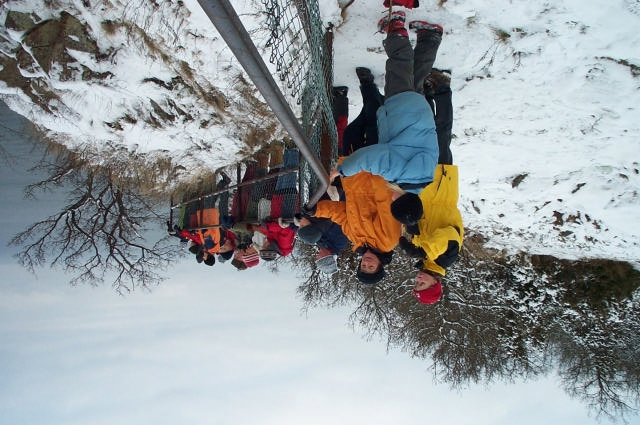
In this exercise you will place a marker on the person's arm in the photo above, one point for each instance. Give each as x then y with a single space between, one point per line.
439 242
374 159
334 210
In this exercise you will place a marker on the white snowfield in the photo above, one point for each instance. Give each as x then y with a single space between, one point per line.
546 98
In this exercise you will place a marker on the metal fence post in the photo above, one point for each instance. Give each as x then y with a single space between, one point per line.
226 20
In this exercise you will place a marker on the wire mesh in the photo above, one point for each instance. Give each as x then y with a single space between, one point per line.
301 52
294 36
262 190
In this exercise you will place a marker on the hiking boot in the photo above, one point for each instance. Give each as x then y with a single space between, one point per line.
339 91
409 4
395 25
437 80
421 26
364 75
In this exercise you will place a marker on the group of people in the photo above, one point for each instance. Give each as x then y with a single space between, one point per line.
261 223
396 168
395 185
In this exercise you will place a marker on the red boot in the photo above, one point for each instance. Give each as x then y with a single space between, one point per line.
409 4
395 26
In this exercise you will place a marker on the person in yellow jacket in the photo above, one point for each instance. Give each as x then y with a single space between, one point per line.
438 233
366 220
433 216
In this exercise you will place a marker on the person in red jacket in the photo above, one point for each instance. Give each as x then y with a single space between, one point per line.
280 239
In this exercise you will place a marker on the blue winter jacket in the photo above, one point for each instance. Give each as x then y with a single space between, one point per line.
407 149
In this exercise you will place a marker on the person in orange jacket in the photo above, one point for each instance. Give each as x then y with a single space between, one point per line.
366 220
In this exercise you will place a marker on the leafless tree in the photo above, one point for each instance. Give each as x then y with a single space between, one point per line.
103 230
507 317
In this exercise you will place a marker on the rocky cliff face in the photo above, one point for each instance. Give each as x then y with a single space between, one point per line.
153 78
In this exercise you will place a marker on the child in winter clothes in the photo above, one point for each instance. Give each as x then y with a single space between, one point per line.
433 216
366 220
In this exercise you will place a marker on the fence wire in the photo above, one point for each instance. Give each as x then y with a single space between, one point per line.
301 52
300 48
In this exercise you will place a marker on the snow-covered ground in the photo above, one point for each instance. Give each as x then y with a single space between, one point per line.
545 96
553 101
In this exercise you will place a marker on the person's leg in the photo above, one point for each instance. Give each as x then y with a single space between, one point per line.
424 56
287 184
340 109
399 65
353 135
372 100
442 108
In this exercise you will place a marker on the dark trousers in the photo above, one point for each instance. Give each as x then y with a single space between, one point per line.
407 68
363 131
442 109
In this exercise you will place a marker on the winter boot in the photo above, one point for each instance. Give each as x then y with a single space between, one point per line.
395 25
420 26
409 4
364 75
438 81
339 91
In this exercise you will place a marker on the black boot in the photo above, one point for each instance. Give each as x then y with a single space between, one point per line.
339 91
364 75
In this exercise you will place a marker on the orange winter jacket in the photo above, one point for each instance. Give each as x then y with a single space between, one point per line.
365 216
210 236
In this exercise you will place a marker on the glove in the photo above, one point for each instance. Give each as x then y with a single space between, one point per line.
410 249
309 210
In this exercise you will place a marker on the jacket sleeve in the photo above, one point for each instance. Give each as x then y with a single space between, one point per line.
374 159
336 211
438 242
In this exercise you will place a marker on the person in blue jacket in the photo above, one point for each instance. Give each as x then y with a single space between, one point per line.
407 150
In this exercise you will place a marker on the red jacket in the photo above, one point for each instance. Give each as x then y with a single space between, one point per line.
283 236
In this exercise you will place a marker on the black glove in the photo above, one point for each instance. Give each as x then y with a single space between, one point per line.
410 249
308 210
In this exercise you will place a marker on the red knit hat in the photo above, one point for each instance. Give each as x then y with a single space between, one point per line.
251 260
430 295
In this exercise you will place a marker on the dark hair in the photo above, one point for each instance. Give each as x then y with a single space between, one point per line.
210 260
371 278
226 255
238 264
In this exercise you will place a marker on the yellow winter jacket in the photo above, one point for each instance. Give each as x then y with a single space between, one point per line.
441 230
365 216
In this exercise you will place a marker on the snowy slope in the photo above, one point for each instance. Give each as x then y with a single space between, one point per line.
541 91
545 96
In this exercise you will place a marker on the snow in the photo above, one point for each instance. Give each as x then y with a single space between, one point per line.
545 103
542 90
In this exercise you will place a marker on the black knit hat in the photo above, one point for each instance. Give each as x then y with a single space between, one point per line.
375 277
210 260
224 256
407 209
371 278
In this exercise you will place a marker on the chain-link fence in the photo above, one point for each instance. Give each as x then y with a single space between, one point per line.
281 178
256 191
